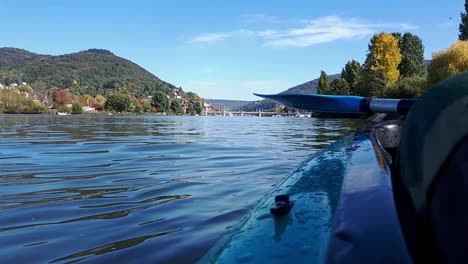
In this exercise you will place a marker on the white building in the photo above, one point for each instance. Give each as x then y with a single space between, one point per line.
88 109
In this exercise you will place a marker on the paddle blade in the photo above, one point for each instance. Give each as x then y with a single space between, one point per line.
318 102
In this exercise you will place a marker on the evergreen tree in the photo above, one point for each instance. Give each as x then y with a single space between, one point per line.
324 83
352 74
340 87
372 83
197 107
463 28
118 102
176 107
408 87
397 35
412 53
77 108
160 101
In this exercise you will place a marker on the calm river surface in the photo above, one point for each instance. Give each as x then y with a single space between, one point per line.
140 189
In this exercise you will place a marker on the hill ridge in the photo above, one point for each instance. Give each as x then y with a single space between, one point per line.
92 71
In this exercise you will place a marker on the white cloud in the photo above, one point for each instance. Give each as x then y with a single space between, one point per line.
321 30
311 32
267 33
405 26
327 29
219 36
210 37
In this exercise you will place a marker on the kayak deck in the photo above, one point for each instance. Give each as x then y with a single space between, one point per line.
303 234
343 211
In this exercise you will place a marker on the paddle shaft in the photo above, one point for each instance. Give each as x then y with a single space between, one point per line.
388 106
323 103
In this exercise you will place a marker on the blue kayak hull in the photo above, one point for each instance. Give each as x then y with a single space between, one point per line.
303 234
343 212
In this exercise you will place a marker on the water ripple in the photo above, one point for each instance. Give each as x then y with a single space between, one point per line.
156 189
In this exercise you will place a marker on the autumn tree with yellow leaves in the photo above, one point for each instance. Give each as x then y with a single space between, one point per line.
384 56
448 62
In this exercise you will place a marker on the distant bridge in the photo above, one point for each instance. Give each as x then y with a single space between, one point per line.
239 113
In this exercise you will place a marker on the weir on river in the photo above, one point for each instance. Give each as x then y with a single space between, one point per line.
239 113
257 113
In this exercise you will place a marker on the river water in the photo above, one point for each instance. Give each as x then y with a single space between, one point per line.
140 189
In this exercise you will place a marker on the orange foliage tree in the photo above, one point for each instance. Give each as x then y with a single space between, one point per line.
62 97
384 56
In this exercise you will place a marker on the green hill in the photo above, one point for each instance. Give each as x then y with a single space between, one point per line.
12 56
94 71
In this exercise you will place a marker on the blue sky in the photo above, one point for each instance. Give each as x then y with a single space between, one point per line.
226 49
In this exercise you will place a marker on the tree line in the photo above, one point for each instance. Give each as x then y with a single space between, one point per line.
395 67
22 100
122 102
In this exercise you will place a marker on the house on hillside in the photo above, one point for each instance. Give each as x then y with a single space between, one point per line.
207 107
176 95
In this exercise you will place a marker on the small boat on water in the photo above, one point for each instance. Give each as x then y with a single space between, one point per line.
61 113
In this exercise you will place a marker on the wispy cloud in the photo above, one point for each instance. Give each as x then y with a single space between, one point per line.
327 29
210 37
311 32
404 26
322 30
268 33
218 36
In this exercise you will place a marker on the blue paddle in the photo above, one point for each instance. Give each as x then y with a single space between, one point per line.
341 103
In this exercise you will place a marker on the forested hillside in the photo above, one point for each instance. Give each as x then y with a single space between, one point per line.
94 71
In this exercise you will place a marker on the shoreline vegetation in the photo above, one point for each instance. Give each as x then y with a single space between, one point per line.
93 80
394 68
97 81
18 101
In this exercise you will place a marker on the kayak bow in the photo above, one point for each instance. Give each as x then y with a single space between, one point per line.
343 209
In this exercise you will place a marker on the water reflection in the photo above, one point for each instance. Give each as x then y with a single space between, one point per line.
110 188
